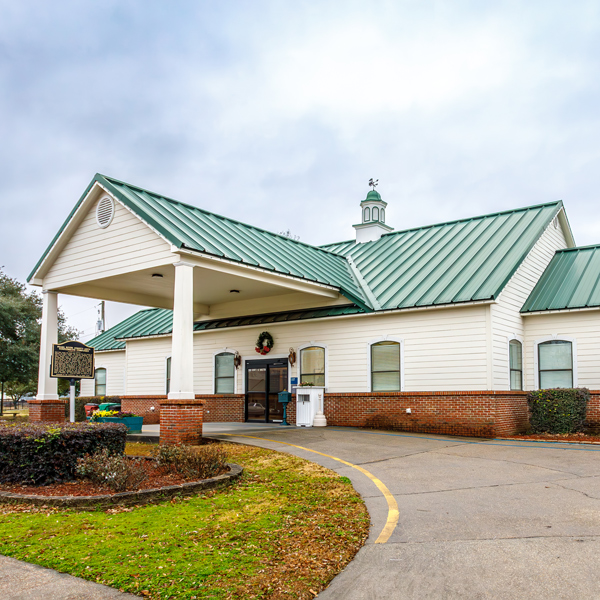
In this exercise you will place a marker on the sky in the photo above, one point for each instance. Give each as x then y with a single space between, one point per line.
278 113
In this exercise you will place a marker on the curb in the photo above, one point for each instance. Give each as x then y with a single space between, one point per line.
127 498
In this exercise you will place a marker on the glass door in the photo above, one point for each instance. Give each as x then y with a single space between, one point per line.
264 380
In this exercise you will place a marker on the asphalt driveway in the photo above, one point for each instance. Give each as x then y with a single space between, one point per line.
476 518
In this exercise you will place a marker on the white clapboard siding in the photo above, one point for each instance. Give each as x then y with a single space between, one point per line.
444 349
114 363
147 365
126 245
581 326
507 321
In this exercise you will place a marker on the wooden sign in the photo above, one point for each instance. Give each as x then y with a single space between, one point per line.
72 360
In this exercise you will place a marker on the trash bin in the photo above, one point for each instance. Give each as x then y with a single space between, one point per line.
90 408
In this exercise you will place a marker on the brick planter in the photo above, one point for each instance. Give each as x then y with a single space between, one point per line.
47 411
181 421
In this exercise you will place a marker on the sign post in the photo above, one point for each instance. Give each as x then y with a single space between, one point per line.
72 361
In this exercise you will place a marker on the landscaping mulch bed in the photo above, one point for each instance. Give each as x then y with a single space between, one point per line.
573 438
157 478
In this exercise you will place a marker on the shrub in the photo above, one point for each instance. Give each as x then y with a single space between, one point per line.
43 453
558 410
119 472
194 462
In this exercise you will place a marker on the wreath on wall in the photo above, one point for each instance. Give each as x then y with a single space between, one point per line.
264 343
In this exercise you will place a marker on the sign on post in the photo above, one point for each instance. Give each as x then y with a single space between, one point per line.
72 360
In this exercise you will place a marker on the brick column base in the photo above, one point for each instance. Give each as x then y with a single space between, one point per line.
47 411
181 421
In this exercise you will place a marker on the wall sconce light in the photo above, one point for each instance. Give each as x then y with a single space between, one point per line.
237 360
292 357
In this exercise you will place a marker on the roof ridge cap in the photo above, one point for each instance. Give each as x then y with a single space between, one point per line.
575 248
494 214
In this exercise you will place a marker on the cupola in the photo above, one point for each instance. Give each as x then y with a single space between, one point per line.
373 224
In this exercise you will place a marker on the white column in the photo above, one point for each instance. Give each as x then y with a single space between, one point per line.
182 353
47 386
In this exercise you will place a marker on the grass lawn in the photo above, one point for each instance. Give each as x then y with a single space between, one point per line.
284 530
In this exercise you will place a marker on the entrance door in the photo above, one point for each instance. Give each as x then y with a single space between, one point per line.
264 380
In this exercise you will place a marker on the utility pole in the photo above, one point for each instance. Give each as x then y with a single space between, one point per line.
100 322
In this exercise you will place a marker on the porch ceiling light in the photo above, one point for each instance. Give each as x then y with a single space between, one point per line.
158 275
234 291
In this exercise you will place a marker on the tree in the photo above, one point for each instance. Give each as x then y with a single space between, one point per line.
20 316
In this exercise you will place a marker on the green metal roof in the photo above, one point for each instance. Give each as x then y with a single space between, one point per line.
460 261
152 321
571 280
193 228
159 321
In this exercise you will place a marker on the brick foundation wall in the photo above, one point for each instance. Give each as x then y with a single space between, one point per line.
142 405
479 414
47 411
593 411
223 408
181 421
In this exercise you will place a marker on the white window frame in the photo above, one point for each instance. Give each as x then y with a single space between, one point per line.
551 338
366 215
97 367
167 372
375 208
310 345
386 338
516 338
214 370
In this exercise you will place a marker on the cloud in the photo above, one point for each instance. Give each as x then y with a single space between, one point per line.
278 114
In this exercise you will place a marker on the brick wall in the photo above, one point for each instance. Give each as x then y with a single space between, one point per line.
142 405
480 414
47 411
593 412
181 421
223 408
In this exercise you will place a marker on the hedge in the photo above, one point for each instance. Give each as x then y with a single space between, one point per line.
81 401
561 410
44 453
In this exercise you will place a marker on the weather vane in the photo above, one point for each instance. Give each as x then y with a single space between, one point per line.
373 183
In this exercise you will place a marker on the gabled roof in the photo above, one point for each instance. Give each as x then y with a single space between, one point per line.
459 261
159 321
570 281
192 228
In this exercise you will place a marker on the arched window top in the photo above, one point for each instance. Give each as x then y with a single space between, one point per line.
515 352
555 364
375 213
100 382
312 365
224 373
367 216
385 367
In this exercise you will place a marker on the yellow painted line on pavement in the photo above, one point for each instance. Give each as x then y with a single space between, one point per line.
393 513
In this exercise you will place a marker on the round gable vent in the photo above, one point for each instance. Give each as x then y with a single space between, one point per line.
105 211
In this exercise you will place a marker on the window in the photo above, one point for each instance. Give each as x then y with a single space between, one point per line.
515 351
367 214
100 382
382 215
168 385
385 367
375 212
312 365
224 373
555 360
